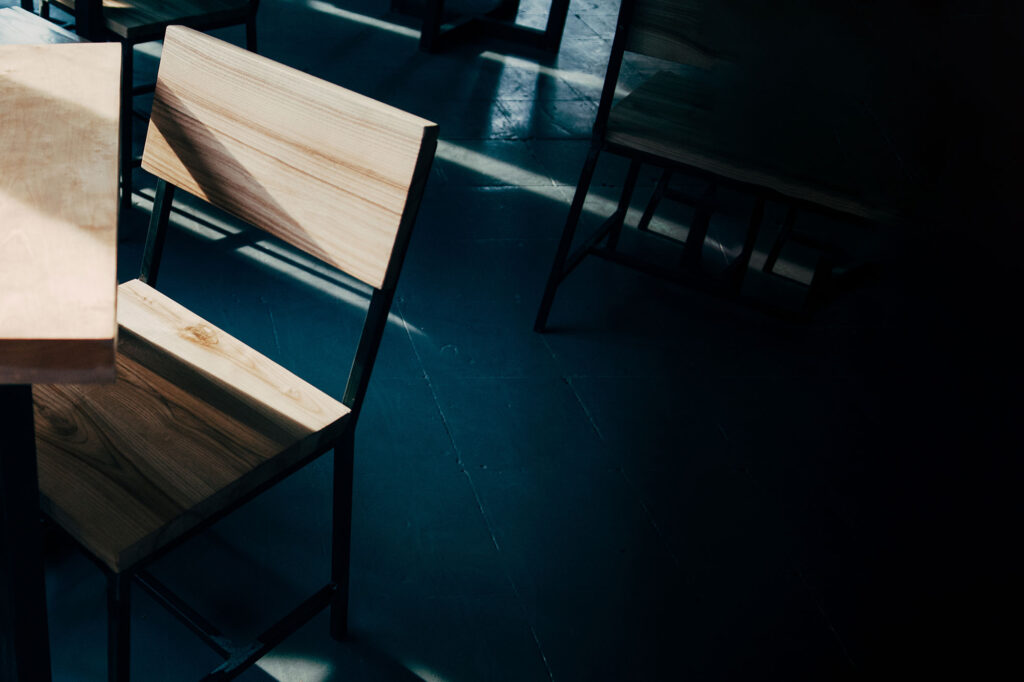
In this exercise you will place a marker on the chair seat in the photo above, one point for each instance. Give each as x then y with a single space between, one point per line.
806 146
195 421
143 20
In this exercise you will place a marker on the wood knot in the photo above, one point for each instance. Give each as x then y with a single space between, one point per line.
200 333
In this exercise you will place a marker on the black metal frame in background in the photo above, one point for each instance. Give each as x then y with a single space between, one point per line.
729 283
441 30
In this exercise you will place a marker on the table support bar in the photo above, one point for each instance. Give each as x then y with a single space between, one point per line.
24 639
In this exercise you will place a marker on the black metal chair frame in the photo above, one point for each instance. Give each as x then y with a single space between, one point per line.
497 23
89 25
728 283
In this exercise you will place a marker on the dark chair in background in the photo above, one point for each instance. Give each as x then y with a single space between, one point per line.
727 121
133 22
199 423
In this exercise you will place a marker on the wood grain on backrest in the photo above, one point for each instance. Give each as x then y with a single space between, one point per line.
672 29
331 172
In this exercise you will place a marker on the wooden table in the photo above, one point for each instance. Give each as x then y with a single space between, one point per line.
58 241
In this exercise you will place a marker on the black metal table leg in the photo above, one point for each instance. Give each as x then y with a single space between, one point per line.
24 637
89 19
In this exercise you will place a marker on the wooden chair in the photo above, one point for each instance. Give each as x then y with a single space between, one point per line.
197 422
724 124
133 22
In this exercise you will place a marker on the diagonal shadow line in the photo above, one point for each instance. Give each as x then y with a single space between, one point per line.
210 164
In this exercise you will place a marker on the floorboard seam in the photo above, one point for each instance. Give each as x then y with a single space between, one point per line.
476 494
629 482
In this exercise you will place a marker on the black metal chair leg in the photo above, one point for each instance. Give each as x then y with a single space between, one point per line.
694 246
118 627
656 196
624 199
431 27
737 270
556 24
562 252
127 54
341 534
784 234
250 33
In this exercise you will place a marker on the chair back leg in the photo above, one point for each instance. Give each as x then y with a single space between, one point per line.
250 33
118 627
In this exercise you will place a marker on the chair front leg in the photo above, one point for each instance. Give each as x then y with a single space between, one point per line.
118 627
562 252
341 533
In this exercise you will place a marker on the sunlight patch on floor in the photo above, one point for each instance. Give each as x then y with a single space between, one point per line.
286 668
585 80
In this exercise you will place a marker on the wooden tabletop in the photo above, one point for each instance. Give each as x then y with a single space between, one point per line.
18 27
58 212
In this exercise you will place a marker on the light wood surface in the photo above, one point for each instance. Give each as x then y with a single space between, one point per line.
137 20
804 145
18 27
323 168
196 420
58 211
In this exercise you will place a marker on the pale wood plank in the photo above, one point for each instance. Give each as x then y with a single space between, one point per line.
323 168
195 421
268 388
58 211
137 20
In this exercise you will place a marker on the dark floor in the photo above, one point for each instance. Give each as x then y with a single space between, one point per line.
666 486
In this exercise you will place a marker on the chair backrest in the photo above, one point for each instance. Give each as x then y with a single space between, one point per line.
329 171
676 30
